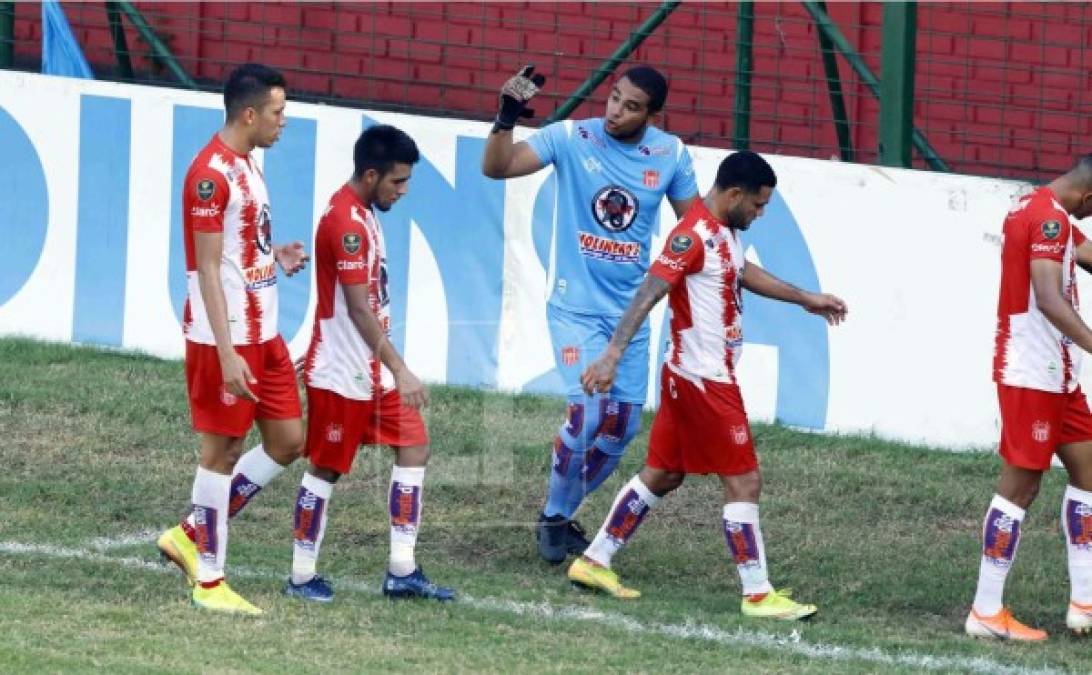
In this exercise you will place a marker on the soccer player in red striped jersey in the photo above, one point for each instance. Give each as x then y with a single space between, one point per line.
238 369
359 390
1037 352
701 426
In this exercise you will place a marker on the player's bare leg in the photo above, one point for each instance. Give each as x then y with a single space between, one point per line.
744 537
405 578
1016 490
1077 530
282 439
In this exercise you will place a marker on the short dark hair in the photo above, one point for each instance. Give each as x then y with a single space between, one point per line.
248 87
380 147
1082 170
746 170
650 81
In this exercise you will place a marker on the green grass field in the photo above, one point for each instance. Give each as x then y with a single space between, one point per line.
98 457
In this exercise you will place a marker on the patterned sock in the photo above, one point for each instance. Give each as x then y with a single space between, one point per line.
598 466
405 510
744 538
1000 537
309 525
253 471
566 487
1077 524
210 507
630 507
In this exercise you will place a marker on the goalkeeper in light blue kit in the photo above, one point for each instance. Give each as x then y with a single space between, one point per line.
613 173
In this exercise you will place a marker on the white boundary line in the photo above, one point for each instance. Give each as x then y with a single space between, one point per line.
792 643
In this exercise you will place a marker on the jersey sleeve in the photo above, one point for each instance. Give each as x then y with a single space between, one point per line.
205 199
547 141
1048 234
683 254
683 185
347 245
1078 237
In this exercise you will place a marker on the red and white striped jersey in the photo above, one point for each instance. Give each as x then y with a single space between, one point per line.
225 192
1029 352
349 249
703 261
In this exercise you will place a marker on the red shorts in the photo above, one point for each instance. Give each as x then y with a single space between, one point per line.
1034 423
699 431
215 411
337 426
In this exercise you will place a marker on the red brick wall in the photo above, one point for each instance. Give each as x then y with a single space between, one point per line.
999 88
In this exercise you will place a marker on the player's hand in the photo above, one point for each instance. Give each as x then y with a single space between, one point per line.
237 377
291 257
299 364
830 307
599 376
414 394
515 94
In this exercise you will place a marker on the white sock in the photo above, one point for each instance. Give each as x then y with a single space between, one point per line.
1000 537
404 505
744 538
309 526
1077 526
210 507
630 507
253 471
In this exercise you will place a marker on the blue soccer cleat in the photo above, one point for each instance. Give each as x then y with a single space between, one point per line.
415 585
315 590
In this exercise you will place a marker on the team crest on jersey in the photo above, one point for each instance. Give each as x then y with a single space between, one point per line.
264 236
206 189
570 355
652 178
739 434
1051 228
615 208
350 241
680 244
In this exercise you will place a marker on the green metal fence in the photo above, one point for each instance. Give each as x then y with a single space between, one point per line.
986 88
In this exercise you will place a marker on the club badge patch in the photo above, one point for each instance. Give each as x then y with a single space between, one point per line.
1051 228
615 208
680 244
351 242
205 189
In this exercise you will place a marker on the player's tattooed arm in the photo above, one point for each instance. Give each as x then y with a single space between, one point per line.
651 291
760 282
411 389
599 376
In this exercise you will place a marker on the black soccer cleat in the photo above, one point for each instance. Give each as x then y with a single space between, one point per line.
553 541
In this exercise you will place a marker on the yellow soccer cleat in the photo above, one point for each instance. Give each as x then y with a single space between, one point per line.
1001 626
588 574
777 605
175 546
220 598
1079 618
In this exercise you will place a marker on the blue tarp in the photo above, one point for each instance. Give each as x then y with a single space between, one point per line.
61 54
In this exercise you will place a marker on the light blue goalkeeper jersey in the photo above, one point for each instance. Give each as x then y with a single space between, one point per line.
608 208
